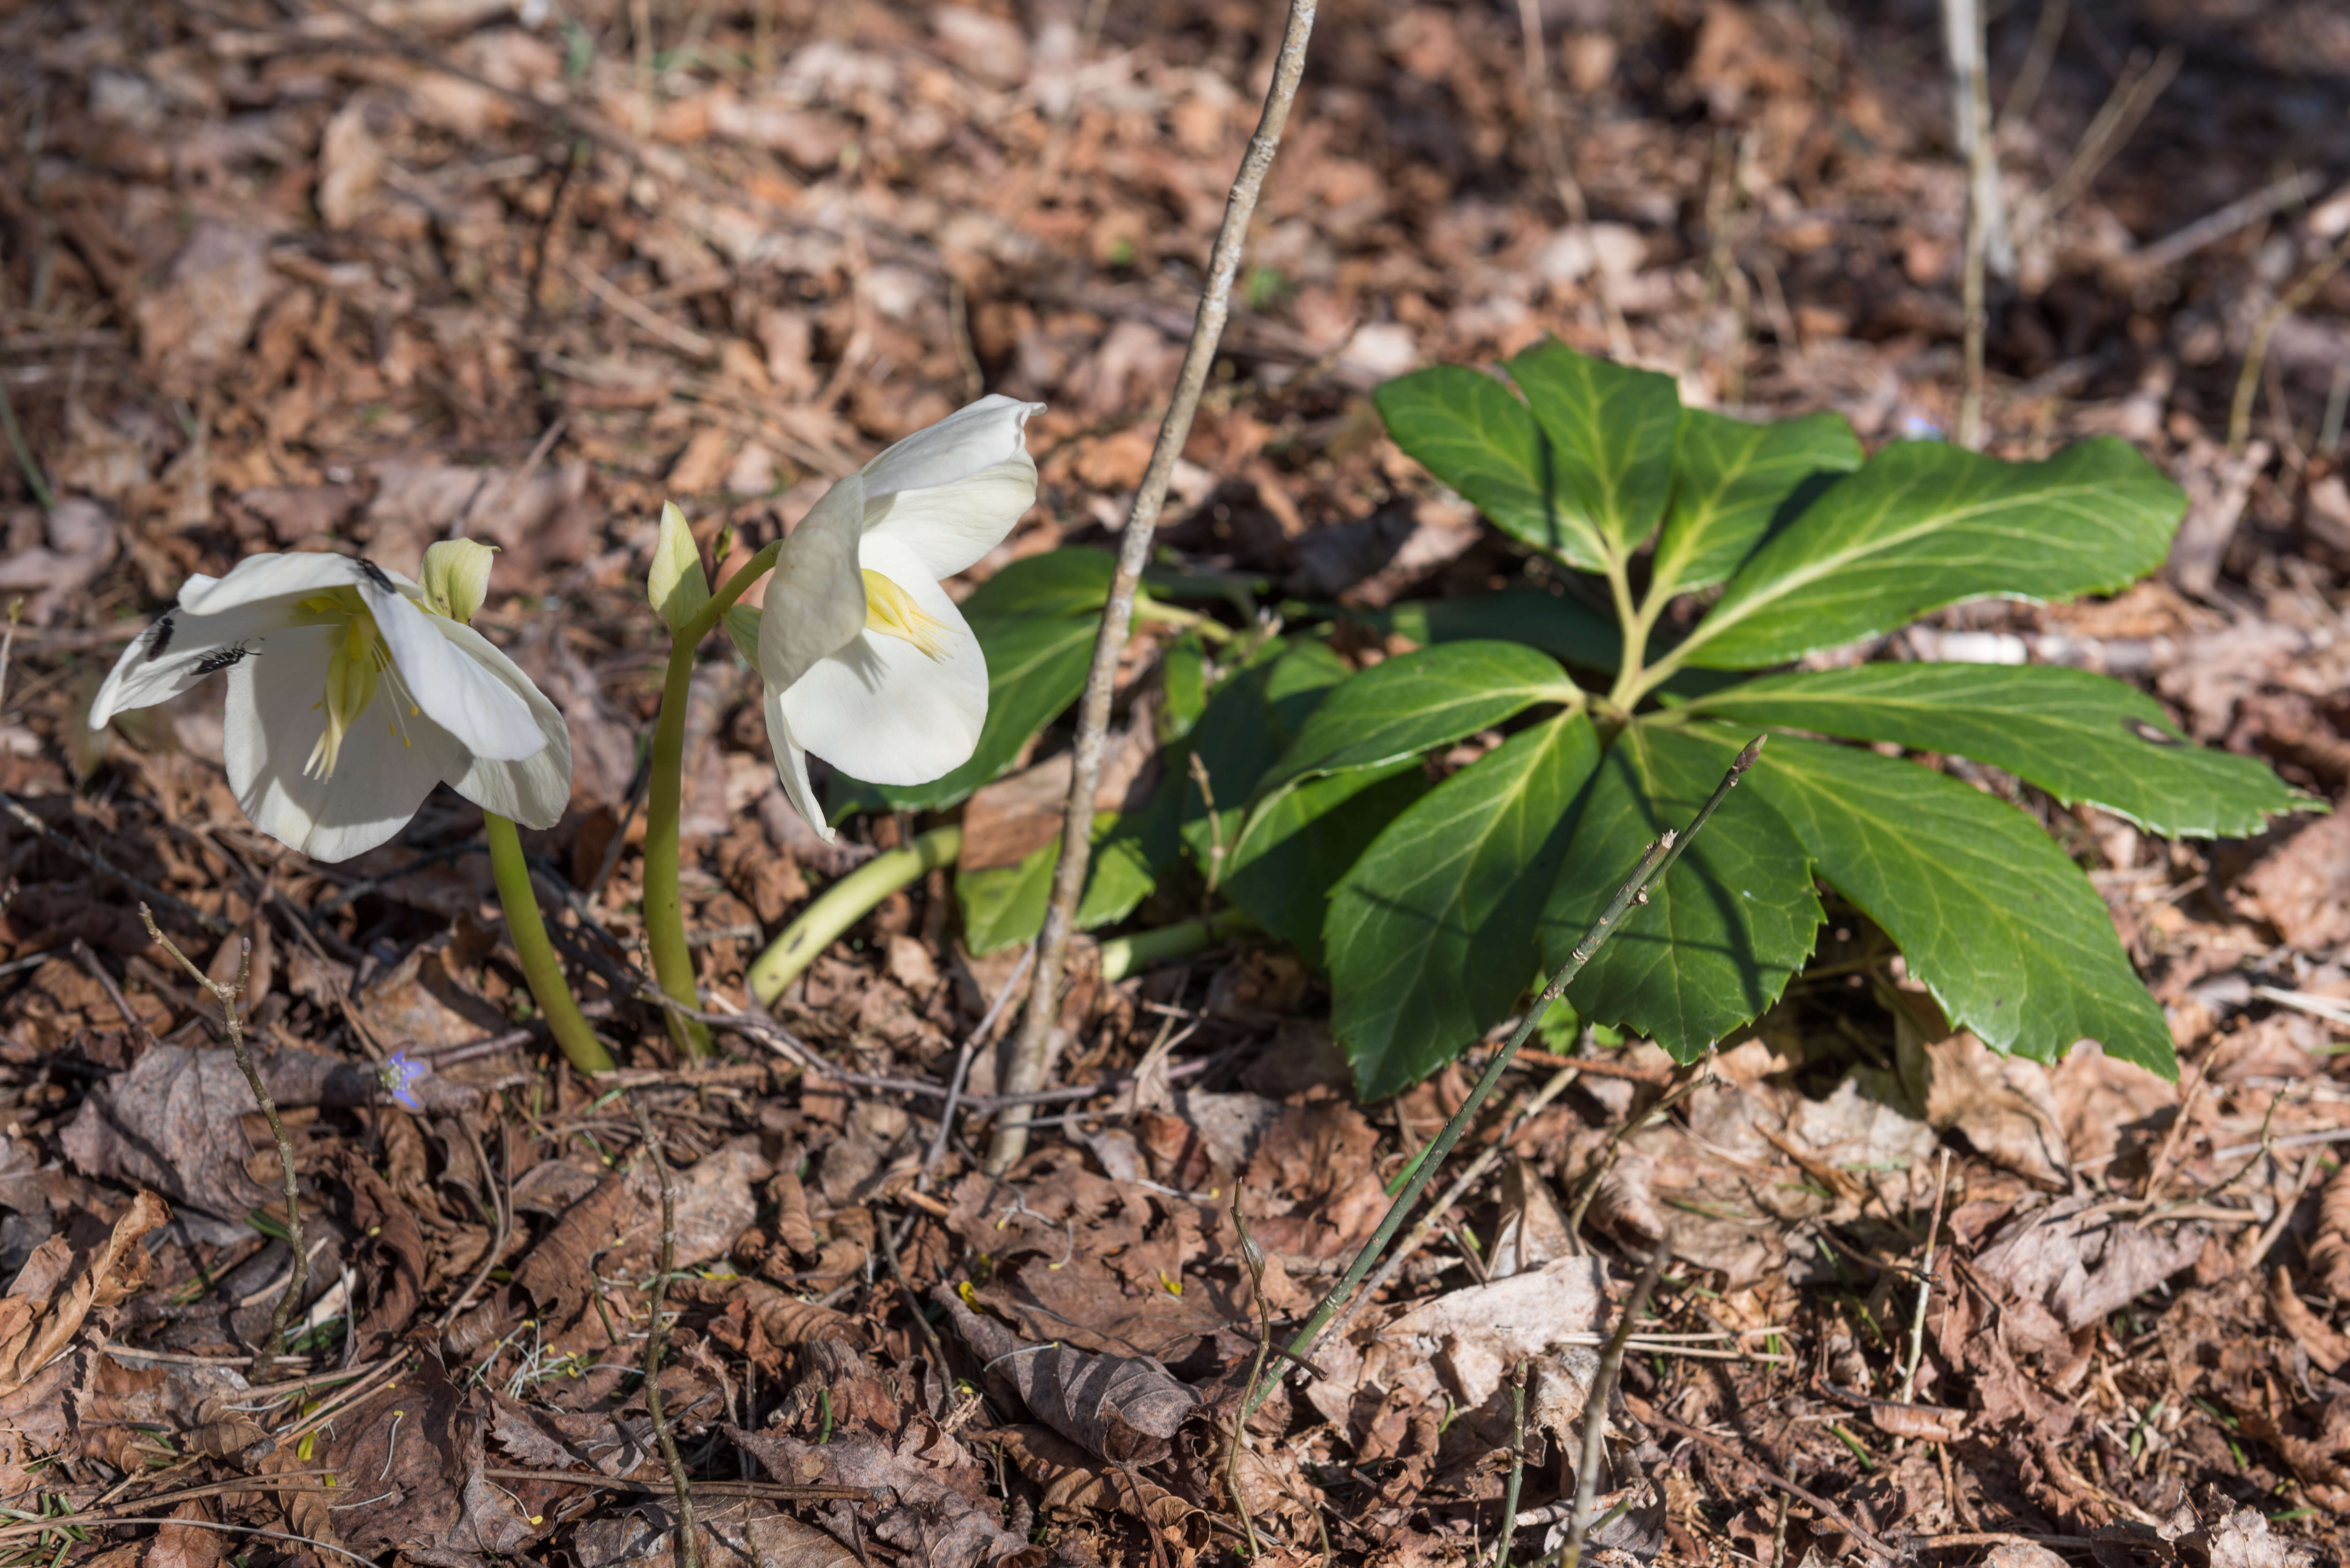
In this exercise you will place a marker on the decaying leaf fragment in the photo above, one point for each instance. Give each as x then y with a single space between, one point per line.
43 1311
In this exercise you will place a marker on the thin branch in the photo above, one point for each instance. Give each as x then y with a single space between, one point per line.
1517 1466
688 1550
1595 1408
2256 353
1925 1286
972 1042
228 996
1030 1054
1654 863
1252 1259
1987 245
98 863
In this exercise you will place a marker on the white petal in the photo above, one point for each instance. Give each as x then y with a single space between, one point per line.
950 525
816 600
258 577
882 710
454 692
972 437
182 648
536 790
273 721
791 765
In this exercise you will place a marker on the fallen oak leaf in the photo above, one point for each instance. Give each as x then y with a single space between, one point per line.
938 1506
37 1321
1075 1481
1897 1418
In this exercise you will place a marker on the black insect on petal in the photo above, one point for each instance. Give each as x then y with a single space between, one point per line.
2152 734
375 574
159 635
221 659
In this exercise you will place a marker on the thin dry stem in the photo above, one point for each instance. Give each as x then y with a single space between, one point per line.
1594 1410
1925 1286
2256 352
1252 1259
1031 1054
688 1547
228 997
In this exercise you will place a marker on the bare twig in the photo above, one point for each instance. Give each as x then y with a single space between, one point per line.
1589 1186
1987 243
1594 1409
228 996
1925 1286
148 891
500 1187
1030 1054
710 1489
1826 1509
689 1549
1517 1466
1253 1259
2256 352
972 1042
8 645
2024 91
2212 227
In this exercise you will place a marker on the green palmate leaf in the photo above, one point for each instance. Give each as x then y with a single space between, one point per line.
1252 718
1471 433
1430 936
1423 699
2080 737
1004 905
1719 935
2002 928
1925 524
1035 620
1611 432
1280 867
1559 623
1733 481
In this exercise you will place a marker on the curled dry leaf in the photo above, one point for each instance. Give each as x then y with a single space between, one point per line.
56 1291
932 1494
1462 1345
2329 1250
2326 1346
1076 1482
2065 1266
784 1319
1121 1408
730 1532
173 1123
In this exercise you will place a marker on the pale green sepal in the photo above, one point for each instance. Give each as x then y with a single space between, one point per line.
675 584
742 622
457 577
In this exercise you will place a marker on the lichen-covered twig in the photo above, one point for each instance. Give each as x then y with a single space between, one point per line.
229 996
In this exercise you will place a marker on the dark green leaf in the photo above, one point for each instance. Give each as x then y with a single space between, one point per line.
1473 433
2080 737
1295 848
1559 623
1058 582
1248 723
1432 937
1925 524
1183 685
1006 905
1611 436
2002 928
1719 935
1423 699
1731 481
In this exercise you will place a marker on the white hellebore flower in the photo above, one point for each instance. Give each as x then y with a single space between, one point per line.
866 661
351 692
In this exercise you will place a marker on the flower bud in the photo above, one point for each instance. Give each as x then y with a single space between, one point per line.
457 577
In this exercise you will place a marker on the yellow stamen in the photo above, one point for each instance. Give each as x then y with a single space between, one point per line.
891 611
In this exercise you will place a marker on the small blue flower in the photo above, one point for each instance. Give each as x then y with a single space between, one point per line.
399 1074
1918 427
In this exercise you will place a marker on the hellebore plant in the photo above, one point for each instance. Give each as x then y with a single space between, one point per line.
865 661
352 691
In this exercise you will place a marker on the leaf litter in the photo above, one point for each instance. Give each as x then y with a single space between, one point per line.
295 277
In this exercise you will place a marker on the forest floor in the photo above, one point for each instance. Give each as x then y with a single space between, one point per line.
310 273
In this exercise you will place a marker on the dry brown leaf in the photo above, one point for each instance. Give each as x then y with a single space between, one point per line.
2329 1250
932 1494
784 1319
2326 1346
730 1532
2006 1105
187 1545
1122 1408
1076 1482
2067 1265
1462 1344
173 1123
2303 886
42 1312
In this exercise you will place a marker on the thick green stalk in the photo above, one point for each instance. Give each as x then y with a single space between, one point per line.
539 964
844 904
1654 863
664 806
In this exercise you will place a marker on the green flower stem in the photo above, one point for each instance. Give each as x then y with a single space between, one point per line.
664 805
1192 620
844 904
539 964
1658 860
1123 956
